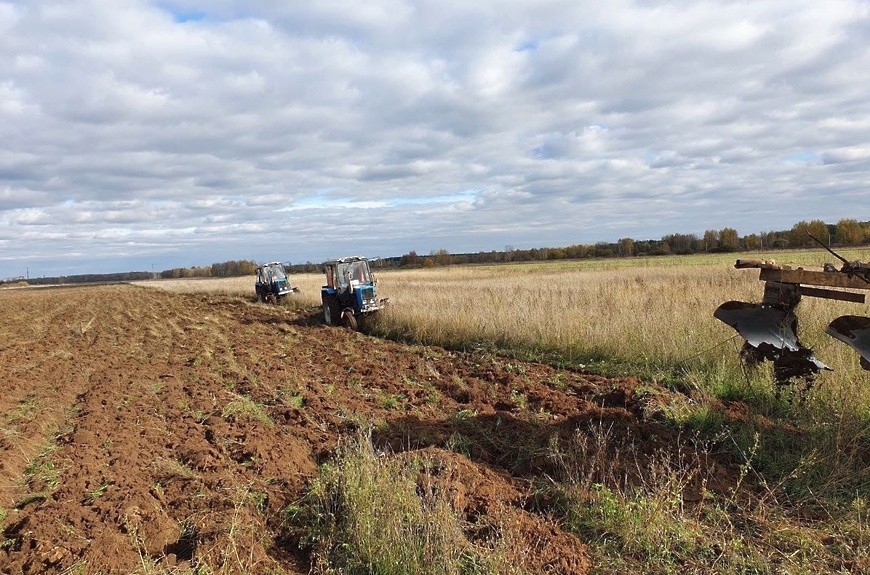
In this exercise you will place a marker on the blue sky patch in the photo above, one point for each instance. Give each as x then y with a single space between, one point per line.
805 157
188 16
528 46
181 15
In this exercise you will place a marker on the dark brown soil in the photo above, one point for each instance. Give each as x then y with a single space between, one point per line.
125 440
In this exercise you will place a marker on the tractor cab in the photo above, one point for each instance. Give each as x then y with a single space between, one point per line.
272 283
349 293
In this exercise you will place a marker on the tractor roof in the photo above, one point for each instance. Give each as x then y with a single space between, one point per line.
347 259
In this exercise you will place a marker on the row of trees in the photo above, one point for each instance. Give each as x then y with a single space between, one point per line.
846 232
228 269
218 270
85 278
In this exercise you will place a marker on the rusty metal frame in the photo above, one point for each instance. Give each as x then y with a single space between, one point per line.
802 278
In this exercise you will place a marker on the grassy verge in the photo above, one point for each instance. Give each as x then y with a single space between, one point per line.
654 513
372 513
809 457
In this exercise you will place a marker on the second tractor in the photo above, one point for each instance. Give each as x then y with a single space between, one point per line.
272 283
349 293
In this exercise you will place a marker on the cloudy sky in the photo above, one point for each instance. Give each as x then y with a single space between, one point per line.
140 135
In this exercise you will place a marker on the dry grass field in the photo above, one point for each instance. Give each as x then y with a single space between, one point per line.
491 421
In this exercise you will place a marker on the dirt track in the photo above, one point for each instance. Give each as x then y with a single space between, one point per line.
124 437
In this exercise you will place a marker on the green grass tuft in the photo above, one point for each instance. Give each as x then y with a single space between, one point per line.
370 513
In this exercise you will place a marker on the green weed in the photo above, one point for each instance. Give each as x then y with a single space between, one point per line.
243 408
25 411
370 513
92 496
293 399
705 420
41 472
459 443
30 498
80 567
519 399
462 415
393 401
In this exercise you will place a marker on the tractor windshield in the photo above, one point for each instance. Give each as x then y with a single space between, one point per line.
353 273
269 273
274 272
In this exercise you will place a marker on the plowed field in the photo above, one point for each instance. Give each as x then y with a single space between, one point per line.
142 428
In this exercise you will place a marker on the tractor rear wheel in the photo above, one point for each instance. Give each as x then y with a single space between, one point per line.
331 309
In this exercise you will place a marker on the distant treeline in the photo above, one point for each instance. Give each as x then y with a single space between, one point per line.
846 232
83 278
228 269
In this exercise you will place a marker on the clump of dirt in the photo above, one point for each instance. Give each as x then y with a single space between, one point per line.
493 502
141 427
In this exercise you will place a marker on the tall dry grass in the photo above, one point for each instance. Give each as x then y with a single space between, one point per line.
661 313
656 317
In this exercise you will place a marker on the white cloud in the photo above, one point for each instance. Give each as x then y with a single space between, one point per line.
159 131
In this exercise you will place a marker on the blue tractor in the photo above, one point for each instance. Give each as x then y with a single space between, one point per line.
349 293
272 284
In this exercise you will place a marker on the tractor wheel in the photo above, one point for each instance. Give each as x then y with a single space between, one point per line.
331 310
270 298
259 296
348 320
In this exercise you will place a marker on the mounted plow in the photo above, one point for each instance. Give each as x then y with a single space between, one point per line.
770 329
